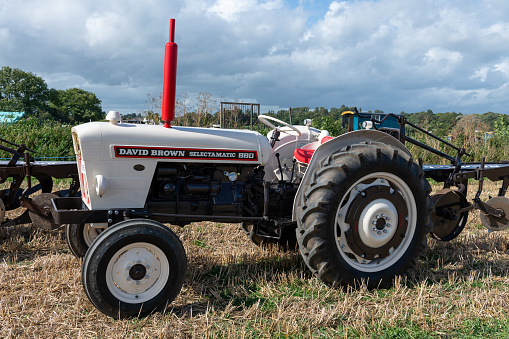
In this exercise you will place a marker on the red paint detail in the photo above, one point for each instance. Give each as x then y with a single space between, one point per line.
325 139
169 78
83 182
356 227
305 153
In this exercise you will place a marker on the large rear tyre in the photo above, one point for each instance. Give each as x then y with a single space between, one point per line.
365 216
134 268
79 237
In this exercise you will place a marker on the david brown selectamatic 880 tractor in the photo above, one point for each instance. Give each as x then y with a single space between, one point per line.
357 206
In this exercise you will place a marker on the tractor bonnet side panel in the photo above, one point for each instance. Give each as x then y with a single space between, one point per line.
117 162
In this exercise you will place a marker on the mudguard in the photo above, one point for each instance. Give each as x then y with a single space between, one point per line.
334 146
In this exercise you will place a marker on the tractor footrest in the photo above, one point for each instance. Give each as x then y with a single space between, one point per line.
69 210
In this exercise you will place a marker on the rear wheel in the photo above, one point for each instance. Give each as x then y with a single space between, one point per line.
134 268
365 216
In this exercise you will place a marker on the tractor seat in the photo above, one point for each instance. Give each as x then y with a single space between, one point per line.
305 153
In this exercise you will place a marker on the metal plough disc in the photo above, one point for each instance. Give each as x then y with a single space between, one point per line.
44 201
493 223
447 221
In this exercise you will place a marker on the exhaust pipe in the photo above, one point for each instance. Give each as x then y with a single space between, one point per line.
169 78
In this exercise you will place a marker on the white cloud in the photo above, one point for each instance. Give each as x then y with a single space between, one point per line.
4 33
503 67
394 55
232 10
481 73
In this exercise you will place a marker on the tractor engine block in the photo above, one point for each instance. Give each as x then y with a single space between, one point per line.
198 189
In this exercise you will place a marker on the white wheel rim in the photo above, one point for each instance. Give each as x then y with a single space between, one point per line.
368 234
90 233
374 211
131 289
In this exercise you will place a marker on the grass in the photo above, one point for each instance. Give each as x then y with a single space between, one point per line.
235 289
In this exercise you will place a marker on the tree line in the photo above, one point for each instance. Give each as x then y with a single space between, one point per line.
26 92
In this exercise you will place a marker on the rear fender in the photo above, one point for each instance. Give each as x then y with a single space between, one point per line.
335 145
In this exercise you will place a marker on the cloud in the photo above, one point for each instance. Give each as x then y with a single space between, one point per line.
394 55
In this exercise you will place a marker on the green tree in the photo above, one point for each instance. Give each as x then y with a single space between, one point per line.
154 107
76 105
501 129
334 126
22 91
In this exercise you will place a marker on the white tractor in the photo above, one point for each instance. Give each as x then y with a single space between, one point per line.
356 206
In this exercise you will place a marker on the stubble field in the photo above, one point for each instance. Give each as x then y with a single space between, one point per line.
234 289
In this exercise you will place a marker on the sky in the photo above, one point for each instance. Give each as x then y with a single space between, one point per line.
391 55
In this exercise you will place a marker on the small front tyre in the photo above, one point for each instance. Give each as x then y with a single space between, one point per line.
134 268
79 237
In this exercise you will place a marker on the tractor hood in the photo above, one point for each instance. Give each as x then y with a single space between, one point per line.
116 162
104 141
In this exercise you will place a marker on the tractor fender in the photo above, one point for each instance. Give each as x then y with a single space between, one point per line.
335 145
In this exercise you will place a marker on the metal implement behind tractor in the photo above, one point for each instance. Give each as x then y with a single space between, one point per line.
22 167
357 207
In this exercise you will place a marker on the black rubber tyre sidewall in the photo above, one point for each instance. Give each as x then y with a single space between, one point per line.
113 239
75 239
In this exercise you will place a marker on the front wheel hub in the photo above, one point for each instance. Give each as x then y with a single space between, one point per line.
137 272
377 219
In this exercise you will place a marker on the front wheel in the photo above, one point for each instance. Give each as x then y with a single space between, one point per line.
79 237
134 268
365 216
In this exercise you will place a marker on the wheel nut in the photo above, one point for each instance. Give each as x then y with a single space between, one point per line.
385 231
387 218
383 215
374 229
387 225
377 216
379 232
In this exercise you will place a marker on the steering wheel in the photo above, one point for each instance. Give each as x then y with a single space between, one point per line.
265 120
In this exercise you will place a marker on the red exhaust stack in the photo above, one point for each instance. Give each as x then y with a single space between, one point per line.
170 78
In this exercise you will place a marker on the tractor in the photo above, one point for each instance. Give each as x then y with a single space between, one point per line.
357 207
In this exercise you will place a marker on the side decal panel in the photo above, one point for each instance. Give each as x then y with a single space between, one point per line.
183 153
